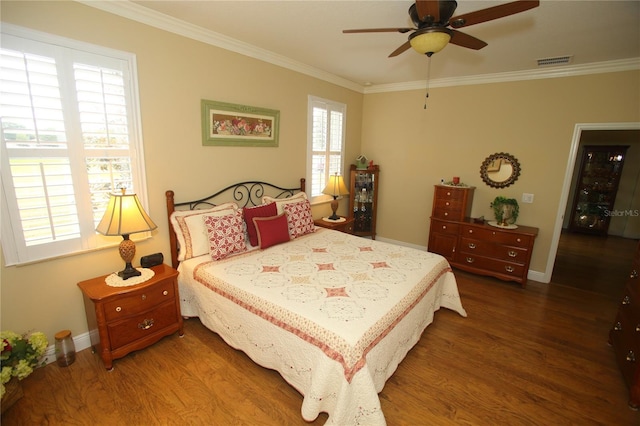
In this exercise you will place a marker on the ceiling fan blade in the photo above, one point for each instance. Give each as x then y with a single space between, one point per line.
400 49
379 30
465 40
428 8
492 13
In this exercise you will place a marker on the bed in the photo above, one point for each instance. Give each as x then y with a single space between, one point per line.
333 313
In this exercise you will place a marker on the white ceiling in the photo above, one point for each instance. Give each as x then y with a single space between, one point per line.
308 35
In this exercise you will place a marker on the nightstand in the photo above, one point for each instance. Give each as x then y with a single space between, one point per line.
345 226
126 319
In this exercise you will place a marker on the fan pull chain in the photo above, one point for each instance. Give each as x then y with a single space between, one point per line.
426 96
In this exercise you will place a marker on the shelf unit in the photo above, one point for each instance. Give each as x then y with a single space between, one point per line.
596 188
363 200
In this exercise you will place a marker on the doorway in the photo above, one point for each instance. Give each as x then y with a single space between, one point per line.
572 252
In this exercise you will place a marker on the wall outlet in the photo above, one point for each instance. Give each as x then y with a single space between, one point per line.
527 198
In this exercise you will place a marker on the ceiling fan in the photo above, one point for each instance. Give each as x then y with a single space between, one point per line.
435 27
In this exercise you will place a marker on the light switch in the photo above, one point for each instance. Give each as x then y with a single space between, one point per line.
527 198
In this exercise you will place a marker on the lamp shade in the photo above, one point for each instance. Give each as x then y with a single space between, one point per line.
335 187
125 215
430 40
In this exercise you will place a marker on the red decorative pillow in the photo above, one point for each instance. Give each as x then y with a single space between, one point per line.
299 218
226 234
264 210
272 230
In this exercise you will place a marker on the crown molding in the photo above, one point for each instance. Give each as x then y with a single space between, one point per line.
555 72
155 19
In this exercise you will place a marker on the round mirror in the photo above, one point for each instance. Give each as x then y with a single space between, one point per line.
500 170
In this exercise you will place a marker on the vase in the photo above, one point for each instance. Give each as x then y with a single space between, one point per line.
12 395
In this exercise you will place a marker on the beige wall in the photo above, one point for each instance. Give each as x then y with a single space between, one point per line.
532 120
174 74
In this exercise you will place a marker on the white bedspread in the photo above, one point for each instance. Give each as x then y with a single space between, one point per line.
334 314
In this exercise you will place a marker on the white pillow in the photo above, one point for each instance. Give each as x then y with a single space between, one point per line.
280 202
189 227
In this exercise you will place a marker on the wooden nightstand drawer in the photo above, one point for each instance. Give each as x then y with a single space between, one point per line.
139 301
345 226
141 325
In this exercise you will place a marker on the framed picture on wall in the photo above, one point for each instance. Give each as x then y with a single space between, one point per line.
226 124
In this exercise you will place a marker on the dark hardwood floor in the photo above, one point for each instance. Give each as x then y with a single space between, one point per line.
533 356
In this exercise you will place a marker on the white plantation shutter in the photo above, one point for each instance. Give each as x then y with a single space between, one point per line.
326 143
68 115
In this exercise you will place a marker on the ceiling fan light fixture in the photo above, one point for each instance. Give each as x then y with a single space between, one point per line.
430 41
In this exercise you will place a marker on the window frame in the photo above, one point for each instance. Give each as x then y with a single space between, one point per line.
329 106
14 249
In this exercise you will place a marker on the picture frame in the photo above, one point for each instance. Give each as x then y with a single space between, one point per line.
228 124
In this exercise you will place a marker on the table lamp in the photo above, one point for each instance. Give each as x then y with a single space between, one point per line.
125 215
335 187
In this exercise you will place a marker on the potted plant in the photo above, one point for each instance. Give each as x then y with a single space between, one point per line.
505 210
20 355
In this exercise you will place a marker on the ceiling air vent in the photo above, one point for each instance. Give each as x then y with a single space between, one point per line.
558 60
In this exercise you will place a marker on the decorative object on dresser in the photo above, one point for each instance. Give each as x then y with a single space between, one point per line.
123 320
500 170
596 188
124 216
336 188
363 200
506 211
474 246
345 224
625 334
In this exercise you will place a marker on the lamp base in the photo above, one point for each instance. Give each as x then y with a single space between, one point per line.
128 272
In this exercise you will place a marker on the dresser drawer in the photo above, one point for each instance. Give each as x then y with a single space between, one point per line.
497 251
139 301
517 271
449 228
139 326
497 236
446 193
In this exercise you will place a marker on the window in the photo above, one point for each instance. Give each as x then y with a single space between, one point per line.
68 115
326 143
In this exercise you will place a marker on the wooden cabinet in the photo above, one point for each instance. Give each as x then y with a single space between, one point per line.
451 204
126 319
596 188
477 247
345 226
502 253
363 200
625 333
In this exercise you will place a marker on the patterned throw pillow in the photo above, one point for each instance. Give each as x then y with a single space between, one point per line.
272 230
226 234
264 210
299 218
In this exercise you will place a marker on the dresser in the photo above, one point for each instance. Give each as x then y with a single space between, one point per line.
477 247
451 204
125 319
625 333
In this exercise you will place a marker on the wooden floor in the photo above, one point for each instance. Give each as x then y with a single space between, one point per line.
534 356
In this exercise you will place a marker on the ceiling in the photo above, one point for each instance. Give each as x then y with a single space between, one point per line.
307 35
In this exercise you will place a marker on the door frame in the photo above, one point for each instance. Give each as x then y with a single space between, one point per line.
566 186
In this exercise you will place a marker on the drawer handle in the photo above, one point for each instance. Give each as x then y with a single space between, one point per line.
509 268
638 327
146 324
470 259
447 204
471 231
448 193
618 326
634 274
444 226
472 245
518 240
144 297
512 253
631 357
626 300
164 293
446 213
118 309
